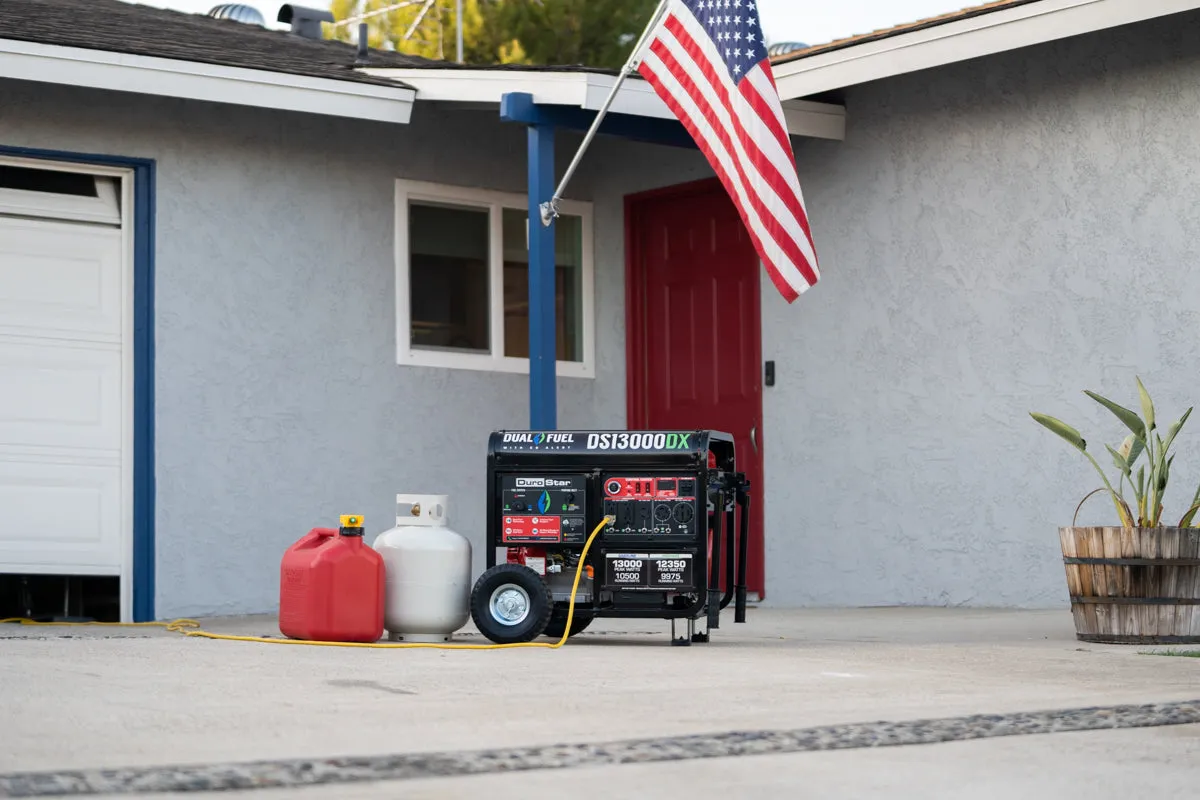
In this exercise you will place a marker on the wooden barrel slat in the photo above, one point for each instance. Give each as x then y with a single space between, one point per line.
1172 618
1133 585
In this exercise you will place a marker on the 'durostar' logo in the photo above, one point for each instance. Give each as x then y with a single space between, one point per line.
544 503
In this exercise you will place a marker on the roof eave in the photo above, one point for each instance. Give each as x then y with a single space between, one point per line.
961 39
101 69
586 90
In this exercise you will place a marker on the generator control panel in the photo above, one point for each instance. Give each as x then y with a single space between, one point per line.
659 507
544 509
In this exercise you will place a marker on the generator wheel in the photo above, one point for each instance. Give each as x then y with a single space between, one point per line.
558 621
510 603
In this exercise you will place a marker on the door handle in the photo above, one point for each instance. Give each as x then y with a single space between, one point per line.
754 437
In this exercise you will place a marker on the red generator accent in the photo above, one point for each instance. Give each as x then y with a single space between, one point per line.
331 588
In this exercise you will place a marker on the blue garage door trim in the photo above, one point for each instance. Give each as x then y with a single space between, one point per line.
143 362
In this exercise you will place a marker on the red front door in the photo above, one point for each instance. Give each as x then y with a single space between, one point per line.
694 331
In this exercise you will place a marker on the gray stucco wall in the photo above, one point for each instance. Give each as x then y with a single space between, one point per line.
279 402
980 229
996 237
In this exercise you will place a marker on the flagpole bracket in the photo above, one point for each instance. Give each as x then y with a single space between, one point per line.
549 212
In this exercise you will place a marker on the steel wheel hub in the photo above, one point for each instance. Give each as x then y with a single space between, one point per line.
509 604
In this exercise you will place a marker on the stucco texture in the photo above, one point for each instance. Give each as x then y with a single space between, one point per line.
995 237
279 403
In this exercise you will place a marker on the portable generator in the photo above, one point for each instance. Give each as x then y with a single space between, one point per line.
674 499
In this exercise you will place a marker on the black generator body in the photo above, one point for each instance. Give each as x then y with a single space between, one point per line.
680 520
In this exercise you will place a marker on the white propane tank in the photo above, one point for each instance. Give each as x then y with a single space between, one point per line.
428 572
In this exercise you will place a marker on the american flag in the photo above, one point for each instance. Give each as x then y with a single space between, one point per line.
708 62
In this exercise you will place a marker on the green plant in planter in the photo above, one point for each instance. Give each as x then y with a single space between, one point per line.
1144 437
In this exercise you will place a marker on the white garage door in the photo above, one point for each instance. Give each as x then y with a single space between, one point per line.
65 373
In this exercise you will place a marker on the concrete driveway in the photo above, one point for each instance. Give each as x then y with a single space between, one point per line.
924 703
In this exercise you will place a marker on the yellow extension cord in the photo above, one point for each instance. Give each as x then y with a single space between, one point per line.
185 626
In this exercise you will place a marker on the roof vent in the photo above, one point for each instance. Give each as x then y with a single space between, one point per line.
783 48
238 13
305 21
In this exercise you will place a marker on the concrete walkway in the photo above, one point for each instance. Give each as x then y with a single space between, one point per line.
793 703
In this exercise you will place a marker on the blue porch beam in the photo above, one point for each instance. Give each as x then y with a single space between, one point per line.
543 374
519 107
542 122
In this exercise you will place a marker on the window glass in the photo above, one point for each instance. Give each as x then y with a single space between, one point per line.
568 286
448 257
47 180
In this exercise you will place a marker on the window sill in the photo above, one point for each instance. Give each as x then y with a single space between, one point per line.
486 363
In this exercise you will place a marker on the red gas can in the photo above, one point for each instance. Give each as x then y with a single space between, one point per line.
331 586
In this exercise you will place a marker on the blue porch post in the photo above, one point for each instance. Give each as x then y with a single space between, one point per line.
543 400
541 121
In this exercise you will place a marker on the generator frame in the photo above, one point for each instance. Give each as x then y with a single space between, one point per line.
716 537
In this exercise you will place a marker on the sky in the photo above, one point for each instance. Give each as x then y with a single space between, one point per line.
808 21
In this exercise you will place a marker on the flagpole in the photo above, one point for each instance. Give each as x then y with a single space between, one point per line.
550 209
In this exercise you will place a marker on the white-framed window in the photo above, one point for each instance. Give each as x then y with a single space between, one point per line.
462 280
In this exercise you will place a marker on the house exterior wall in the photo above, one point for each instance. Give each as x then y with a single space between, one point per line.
996 236
279 403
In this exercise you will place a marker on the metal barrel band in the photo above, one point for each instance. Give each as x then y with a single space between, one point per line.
1136 601
1121 638
1133 562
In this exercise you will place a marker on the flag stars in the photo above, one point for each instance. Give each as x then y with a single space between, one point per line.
729 22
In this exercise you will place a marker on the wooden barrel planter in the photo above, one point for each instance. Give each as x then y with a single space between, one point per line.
1133 585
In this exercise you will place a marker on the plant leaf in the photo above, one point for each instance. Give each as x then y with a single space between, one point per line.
1062 429
1173 431
1186 522
1135 449
1131 420
1119 460
1147 405
1126 447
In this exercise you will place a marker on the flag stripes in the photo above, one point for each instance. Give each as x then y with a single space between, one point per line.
737 121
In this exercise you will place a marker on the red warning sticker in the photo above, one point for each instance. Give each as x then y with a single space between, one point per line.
531 529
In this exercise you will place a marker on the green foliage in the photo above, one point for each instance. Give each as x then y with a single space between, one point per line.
594 33
1148 489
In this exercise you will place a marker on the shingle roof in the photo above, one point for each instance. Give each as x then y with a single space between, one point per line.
145 30
908 27
148 31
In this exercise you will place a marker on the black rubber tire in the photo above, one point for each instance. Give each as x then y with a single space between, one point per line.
540 604
558 621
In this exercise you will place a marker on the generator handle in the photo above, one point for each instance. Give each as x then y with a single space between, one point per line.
743 498
730 555
714 572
